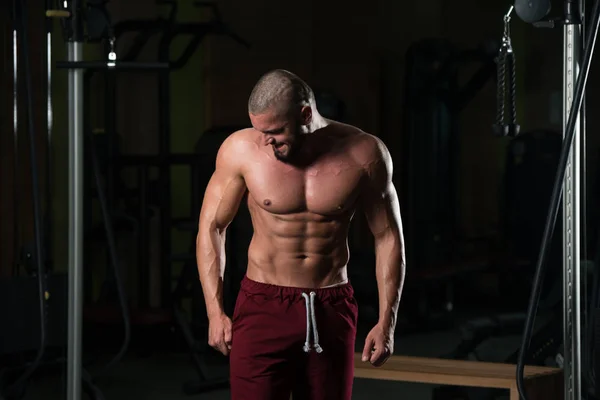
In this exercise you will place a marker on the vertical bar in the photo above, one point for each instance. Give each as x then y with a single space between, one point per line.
586 309
16 207
110 130
571 221
15 84
75 53
88 181
112 141
50 124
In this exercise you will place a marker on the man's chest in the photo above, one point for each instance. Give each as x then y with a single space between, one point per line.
327 188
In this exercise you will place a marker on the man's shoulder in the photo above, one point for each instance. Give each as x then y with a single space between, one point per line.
356 136
239 142
237 148
371 153
370 142
367 148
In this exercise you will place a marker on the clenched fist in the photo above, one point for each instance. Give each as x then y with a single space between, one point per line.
379 345
219 333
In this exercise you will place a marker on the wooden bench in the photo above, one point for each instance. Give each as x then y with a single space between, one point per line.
542 383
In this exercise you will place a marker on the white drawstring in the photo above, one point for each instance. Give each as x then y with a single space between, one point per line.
314 322
307 342
311 319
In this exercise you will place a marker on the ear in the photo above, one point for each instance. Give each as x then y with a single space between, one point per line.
306 115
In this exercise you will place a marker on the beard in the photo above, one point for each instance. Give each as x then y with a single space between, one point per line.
290 149
280 156
285 156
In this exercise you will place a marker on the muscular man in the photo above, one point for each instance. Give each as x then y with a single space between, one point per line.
294 323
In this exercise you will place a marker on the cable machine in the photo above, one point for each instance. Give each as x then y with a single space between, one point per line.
576 65
101 28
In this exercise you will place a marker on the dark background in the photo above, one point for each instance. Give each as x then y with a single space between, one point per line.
355 51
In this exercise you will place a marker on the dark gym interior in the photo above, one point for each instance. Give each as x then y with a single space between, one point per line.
424 78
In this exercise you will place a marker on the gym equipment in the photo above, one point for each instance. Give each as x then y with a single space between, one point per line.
46 326
168 31
532 11
74 36
112 246
21 20
530 167
542 381
15 54
41 286
433 102
567 179
163 161
48 222
507 84
116 162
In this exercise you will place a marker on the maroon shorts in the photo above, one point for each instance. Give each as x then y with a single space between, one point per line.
292 340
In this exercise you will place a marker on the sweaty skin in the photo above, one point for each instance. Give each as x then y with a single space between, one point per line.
301 212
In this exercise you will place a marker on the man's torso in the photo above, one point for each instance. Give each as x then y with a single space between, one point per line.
301 214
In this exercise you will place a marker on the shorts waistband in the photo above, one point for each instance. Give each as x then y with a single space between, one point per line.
295 293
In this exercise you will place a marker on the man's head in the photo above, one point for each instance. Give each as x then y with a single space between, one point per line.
281 107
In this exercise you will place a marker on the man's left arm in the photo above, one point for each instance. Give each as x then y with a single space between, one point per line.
382 211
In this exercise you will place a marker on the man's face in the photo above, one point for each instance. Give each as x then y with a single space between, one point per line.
283 132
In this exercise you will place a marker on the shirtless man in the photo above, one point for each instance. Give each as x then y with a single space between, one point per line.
294 324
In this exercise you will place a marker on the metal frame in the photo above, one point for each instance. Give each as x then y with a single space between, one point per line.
572 36
75 253
568 184
76 68
76 149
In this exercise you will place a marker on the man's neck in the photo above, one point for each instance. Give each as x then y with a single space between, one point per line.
317 122
313 144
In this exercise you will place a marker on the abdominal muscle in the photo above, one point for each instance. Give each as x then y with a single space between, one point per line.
298 250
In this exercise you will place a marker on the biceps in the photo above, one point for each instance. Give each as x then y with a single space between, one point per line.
383 212
221 200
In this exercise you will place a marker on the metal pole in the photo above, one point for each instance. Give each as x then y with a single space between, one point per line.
49 125
16 212
571 219
74 377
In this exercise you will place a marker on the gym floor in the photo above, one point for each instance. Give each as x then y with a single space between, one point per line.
161 376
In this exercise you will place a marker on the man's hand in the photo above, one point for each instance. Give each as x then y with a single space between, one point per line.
379 345
219 333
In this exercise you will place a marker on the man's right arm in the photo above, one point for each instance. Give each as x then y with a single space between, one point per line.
222 198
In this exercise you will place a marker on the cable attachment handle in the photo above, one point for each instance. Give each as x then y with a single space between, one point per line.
506 36
506 85
112 56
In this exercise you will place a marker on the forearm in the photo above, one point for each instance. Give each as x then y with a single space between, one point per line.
210 256
390 272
